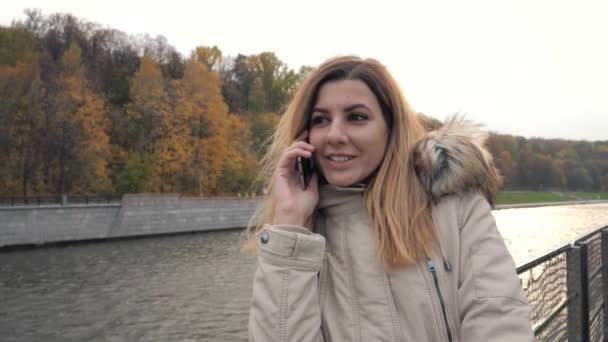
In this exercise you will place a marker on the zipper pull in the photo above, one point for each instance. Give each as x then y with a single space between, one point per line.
447 266
430 265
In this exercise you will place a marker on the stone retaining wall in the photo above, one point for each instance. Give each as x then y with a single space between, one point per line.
142 214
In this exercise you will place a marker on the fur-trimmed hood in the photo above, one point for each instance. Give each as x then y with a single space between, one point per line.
452 159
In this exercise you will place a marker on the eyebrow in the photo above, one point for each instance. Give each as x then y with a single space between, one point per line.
347 109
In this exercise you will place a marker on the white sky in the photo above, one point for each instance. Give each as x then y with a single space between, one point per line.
532 67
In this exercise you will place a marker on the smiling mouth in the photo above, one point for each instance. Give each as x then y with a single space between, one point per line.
340 159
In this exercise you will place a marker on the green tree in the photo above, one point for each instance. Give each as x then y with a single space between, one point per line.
579 179
261 131
135 175
276 80
604 182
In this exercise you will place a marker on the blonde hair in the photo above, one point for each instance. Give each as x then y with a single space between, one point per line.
395 199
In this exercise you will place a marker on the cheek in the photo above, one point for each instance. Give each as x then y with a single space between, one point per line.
376 140
315 139
377 149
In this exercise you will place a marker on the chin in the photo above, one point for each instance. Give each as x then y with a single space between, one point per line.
343 182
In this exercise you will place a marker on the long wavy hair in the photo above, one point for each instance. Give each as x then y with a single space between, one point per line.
395 199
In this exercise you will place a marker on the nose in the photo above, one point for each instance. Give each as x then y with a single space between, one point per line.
337 133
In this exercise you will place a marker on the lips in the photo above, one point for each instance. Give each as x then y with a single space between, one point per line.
340 159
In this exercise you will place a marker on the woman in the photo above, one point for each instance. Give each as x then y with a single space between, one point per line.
393 238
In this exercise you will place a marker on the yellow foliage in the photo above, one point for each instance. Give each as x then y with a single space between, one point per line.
210 56
201 106
79 104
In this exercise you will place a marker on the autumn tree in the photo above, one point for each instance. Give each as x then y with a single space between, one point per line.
79 127
83 105
240 166
506 165
20 113
211 57
200 101
148 113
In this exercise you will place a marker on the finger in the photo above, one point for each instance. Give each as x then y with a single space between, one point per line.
302 136
314 182
301 144
288 158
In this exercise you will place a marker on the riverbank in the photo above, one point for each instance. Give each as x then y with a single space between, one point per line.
145 215
545 204
527 197
134 216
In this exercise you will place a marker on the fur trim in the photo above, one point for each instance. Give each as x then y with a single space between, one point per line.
452 159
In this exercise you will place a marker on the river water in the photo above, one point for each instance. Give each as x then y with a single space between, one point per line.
192 287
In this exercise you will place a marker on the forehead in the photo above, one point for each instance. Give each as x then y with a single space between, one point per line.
344 93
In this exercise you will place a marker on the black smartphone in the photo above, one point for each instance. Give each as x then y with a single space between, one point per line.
305 168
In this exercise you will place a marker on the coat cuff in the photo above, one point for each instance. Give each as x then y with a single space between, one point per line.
292 243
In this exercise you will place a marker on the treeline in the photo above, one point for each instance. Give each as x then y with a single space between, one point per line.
554 164
89 110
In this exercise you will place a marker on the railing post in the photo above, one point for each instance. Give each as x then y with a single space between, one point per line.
605 280
584 294
577 309
586 326
573 285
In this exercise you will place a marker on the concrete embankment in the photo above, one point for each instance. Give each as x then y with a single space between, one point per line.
138 215
545 204
135 215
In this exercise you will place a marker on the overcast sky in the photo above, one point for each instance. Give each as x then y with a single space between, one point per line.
531 68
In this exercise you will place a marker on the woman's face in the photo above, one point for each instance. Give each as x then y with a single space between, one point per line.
348 132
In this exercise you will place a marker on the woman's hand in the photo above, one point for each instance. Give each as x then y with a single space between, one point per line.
293 205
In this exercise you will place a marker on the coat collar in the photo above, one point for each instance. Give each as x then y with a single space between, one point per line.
452 159
335 200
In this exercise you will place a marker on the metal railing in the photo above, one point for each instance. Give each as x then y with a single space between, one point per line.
14 201
566 288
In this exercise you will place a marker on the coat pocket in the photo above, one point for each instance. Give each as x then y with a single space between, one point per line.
494 273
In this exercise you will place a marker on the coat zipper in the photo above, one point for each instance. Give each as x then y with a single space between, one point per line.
433 270
322 278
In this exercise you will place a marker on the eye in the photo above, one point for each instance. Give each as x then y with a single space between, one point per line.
318 120
357 117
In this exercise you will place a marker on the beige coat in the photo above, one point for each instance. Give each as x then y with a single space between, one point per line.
331 286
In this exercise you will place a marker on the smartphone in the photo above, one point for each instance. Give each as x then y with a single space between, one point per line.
305 168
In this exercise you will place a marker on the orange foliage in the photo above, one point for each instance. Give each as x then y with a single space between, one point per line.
79 104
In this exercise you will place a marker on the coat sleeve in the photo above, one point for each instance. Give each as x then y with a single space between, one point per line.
491 301
285 302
